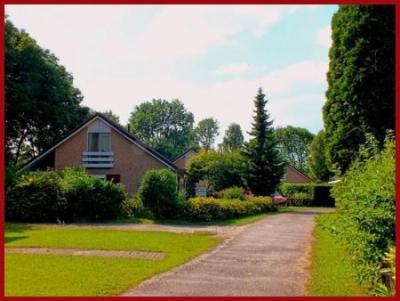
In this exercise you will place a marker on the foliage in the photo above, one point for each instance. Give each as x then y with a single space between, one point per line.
308 194
293 145
360 95
388 273
41 102
206 132
112 116
37 197
365 201
265 166
318 163
220 170
159 192
164 125
233 193
331 269
211 209
70 195
233 139
90 198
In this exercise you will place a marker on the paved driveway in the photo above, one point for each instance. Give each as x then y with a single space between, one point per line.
266 258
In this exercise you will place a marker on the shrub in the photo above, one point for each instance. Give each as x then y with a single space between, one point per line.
308 194
159 193
37 197
365 200
210 209
133 207
233 193
70 195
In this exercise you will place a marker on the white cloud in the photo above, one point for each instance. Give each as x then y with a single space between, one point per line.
323 36
235 69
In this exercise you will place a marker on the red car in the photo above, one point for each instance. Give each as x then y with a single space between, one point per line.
280 199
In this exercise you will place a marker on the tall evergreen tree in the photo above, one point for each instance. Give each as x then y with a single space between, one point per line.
360 95
265 166
233 139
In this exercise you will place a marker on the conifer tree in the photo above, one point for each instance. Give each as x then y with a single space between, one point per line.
265 166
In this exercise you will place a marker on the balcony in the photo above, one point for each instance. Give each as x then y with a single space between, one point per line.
98 159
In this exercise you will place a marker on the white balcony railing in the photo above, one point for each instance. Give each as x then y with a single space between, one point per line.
98 159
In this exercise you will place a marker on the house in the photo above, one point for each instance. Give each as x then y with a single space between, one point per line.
105 150
293 175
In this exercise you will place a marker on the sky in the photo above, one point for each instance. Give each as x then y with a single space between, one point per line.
212 58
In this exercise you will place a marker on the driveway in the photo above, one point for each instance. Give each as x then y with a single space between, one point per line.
266 258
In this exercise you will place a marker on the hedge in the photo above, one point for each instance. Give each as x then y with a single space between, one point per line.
211 209
67 196
308 194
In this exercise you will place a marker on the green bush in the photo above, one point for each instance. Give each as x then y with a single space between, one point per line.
159 193
133 207
211 209
308 194
37 197
365 201
233 193
70 195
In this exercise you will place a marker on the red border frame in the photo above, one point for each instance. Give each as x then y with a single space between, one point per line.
189 2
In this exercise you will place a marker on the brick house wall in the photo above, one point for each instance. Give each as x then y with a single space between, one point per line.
130 161
294 176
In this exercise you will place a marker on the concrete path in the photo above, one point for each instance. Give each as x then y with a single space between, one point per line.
266 258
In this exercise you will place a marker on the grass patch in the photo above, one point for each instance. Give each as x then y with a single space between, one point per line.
56 275
332 273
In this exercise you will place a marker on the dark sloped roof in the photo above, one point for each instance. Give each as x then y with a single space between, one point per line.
119 129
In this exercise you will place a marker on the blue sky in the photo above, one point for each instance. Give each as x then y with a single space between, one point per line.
213 58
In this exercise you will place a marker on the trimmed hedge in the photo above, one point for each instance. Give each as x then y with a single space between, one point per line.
211 209
70 195
232 193
308 194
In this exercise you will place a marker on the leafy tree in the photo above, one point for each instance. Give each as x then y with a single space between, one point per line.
233 139
220 170
360 95
164 125
110 115
206 132
41 102
265 166
294 145
318 164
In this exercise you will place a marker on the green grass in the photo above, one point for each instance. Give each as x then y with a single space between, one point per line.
332 273
55 275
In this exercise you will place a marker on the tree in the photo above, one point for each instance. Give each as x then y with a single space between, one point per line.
265 166
318 164
110 115
164 125
293 145
41 102
206 132
220 170
360 95
233 139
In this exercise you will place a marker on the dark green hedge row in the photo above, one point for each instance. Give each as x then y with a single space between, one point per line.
67 196
308 194
211 209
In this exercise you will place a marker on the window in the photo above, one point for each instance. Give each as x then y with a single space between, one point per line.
99 142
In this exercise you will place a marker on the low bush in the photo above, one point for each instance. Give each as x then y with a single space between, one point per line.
36 197
159 193
211 209
233 193
70 195
308 194
133 207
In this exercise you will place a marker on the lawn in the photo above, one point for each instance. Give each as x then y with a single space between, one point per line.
332 273
57 275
